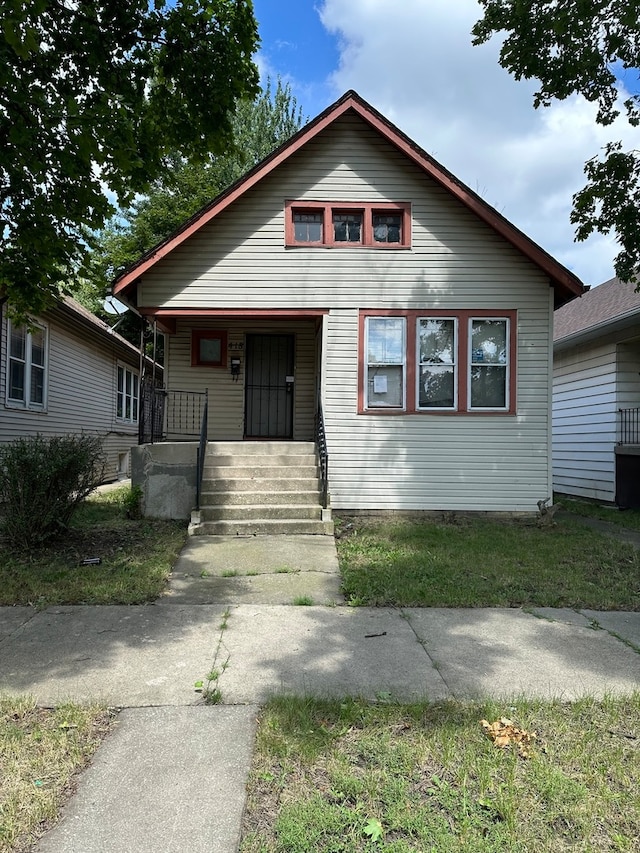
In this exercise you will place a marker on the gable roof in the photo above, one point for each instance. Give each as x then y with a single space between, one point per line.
566 285
610 306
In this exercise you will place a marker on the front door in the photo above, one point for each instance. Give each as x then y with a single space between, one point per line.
269 386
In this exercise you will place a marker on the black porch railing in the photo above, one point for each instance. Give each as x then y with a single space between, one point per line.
323 456
629 426
166 414
202 450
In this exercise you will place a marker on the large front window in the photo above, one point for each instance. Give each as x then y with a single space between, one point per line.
448 362
27 367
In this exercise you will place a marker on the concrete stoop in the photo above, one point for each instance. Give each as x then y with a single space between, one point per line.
256 488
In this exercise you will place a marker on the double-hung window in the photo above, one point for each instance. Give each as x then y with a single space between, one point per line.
27 367
459 362
385 368
127 395
437 356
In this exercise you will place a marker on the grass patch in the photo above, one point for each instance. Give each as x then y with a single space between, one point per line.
136 556
628 518
41 750
351 776
487 563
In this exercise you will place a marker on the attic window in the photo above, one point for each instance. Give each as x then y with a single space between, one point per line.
384 225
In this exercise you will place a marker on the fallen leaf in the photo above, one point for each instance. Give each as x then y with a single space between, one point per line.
504 733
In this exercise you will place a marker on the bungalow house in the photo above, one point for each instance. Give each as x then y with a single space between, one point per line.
596 395
350 294
70 373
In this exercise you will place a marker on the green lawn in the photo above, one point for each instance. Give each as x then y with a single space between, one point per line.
136 557
486 563
629 518
343 777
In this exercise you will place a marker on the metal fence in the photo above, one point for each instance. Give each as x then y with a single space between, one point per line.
629 426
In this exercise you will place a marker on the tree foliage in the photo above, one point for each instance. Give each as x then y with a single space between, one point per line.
95 96
258 127
576 47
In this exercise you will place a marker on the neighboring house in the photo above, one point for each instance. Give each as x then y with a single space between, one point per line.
70 373
596 395
352 272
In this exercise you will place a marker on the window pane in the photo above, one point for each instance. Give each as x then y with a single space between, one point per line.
210 350
18 343
16 380
307 227
120 404
489 342
386 228
488 387
37 385
385 387
385 340
347 227
437 387
437 341
37 347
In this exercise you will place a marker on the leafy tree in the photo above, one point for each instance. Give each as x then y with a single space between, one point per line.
258 127
97 95
575 46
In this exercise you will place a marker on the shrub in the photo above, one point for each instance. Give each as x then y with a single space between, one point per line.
42 482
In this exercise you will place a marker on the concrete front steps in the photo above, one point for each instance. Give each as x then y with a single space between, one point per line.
262 487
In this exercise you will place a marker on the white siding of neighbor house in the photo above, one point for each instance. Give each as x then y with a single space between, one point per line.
585 421
238 260
226 396
81 392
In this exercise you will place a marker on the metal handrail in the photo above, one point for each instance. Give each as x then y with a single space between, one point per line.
323 456
629 426
202 449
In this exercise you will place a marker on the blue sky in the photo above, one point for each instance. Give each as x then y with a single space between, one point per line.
414 62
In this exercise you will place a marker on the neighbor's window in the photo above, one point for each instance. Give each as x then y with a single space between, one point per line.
488 385
437 355
127 395
385 346
208 348
27 367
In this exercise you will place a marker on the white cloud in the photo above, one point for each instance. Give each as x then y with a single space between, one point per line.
414 62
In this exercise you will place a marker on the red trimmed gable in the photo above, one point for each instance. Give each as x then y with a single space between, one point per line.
566 285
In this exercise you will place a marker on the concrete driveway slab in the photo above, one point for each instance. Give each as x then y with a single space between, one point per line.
493 652
11 618
124 656
319 651
169 779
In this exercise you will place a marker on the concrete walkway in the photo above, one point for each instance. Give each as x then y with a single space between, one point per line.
172 775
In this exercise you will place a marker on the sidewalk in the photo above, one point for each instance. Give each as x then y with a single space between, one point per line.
172 775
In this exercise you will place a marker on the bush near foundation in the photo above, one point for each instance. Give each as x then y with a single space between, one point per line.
42 482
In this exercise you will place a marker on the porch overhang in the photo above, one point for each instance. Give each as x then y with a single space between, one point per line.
167 318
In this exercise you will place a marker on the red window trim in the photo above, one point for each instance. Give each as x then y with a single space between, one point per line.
367 208
463 316
198 335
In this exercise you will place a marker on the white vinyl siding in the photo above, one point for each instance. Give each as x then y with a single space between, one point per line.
81 391
477 461
590 384
585 422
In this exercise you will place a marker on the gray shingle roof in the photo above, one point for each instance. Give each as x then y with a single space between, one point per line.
603 304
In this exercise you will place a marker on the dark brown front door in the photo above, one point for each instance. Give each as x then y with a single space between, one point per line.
269 386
